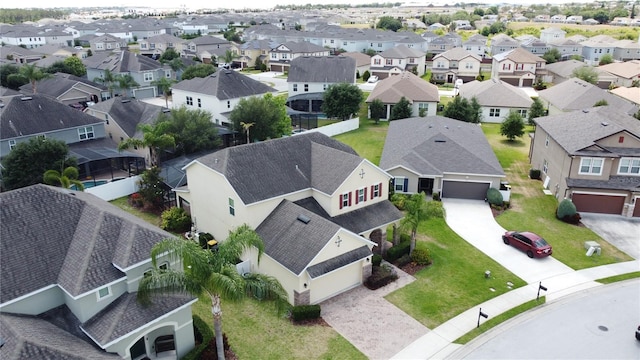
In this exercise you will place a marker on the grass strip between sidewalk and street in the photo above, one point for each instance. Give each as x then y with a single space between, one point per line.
616 278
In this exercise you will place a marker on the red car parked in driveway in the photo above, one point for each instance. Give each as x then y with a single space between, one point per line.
532 244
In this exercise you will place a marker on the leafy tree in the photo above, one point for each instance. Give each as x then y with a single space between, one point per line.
586 73
497 27
71 65
89 53
199 70
212 274
192 130
376 110
25 164
552 56
512 126
536 110
419 210
463 109
478 11
33 74
169 55
10 69
108 79
342 101
401 110
475 111
370 52
176 65
389 23
258 65
126 82
164 85
151 188
269 113
606 59
493 10
366 75
68 177
155 138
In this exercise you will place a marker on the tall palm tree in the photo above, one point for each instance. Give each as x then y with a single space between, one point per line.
212 274
228 57
246 127
109 79
417 211
155 138
126 82
33 74
68 177
164 85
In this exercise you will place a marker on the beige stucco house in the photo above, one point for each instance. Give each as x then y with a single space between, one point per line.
422 95
316 204
518 67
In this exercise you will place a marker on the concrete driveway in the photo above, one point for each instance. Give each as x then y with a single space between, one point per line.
474 222
621 232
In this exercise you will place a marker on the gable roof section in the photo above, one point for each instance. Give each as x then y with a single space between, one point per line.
87 241
578 130
577 94
494 92
412 87
277 167
128 114
361 58
458 54
519 55
40 114
59 84
124 62
401 52
299 47
322 69
435 145
628 70
565 68
225 84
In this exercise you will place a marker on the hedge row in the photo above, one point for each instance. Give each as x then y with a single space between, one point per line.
305 312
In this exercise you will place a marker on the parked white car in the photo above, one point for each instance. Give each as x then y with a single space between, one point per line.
372 79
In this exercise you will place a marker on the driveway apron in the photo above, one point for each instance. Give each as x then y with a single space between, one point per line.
369 322
474 222
619 231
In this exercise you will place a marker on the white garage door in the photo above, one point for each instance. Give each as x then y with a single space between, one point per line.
335 282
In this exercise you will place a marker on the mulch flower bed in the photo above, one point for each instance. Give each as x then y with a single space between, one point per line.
412 268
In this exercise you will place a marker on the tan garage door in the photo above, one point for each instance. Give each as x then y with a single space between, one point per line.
604 204
636 210
464 190
527 82
336 282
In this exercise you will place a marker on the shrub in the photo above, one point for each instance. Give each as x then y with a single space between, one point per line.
399 200
567 212
396 252
176 220
494 197
203 238
203 335
421 256
535 174
366 75
305 312
403 260
436 196
380 277
136 200
376 260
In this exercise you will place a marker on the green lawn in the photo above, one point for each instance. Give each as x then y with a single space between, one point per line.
123 204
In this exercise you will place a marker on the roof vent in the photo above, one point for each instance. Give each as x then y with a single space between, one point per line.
124 101
585 110
604 123
26 98
441 141
304 219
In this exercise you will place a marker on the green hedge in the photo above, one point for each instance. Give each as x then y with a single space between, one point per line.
396 252
305 312
202 330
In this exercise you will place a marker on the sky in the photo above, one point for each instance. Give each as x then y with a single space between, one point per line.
238 4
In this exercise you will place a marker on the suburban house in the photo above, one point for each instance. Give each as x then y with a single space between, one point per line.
518 67
476 44
440 155
441 44
21 35
502 43
454 64
422 95
552 34
561 71
632 94
396 60
77 299
281 56
595 47
535 46
251 51
590 156
142 69
218 93
19 55
626 50
60 51
497 98
69 89
577 94
154 46
107 43
363 61
310 76
206 48
317 205
625 73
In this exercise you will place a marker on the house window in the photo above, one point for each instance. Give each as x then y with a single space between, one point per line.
12 144
306 87
274 56
440 64
424 107
345 200
400 184
295 87
412 60
362 195
324 86
545 166
379 44
377 61
228 104
375 190
494 112
506 66
468 65
189 101
591 166
148 77
103 292
621 139
167 74
86 133
519 66
232 209
629 166
546 141
522 112
284 56
164 266
388 61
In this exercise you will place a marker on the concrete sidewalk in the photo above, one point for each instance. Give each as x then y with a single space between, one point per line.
438 343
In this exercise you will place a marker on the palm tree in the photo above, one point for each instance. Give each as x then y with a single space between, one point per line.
156 138
246 127
33 74
212 274
126 82
228 57
68 177
108 78
164 85
417 211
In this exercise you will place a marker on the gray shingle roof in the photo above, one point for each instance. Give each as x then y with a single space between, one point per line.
123 62
300 47
578 130
225 84
495 92
457 54
435 145
565 68
129 114
291 242
39 114
276 167
412 87
59 84
630 183
322 69
401 52
76 241
339 261
577 94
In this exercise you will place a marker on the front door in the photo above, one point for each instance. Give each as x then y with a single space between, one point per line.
138 349
450 78
425 185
